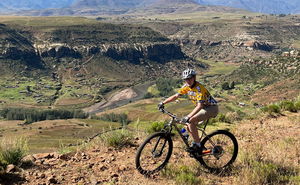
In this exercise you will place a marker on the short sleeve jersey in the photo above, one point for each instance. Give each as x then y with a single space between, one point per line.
198 93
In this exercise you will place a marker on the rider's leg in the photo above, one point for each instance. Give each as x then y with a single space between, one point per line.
192 127
203 114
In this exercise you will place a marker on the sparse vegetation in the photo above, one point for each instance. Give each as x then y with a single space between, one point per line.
12 151
148 95
117 138
288 106
271 109
220 118
166 86
182 175
84 84
155 127
256 170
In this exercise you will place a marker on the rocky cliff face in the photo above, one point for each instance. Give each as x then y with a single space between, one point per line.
137 46
134 53
15 46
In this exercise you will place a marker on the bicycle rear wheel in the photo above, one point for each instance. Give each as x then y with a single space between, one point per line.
154 153
220 150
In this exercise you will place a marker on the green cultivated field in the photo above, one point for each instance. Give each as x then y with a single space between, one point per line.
219 68
26 91
52 135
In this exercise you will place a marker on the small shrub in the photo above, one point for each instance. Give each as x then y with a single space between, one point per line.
181 174
118 138
223 118
3 165
13 152
232 117
288 106
155 127
166 86
256 170
225 86
297 105
148 95
271 109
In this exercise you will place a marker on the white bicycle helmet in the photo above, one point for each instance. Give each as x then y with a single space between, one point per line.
188 73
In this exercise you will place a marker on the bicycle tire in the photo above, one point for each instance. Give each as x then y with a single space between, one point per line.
141 158
219 151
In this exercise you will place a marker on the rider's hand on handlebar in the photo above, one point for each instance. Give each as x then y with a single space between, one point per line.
185 119
160 106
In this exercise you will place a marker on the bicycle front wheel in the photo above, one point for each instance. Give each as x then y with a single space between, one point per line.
220 150
154 153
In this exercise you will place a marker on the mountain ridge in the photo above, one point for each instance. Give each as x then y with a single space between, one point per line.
94 7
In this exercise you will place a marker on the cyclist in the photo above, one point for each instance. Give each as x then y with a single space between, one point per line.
205 105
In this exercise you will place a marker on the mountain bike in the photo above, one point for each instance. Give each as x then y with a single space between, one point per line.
218 149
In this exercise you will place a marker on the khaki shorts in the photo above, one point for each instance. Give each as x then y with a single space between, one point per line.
207 112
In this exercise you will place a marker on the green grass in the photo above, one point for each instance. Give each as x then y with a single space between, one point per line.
182 174
118 138
256 170
153 90
219 68
48 136
202 17
72 29
13 95
12 151
46 21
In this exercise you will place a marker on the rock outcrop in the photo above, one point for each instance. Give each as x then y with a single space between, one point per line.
251 44
60 52
134 53
257 45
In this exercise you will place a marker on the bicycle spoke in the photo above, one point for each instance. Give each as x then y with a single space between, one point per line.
154 154
222 148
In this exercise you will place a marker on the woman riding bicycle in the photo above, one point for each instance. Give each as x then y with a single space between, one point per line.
205 105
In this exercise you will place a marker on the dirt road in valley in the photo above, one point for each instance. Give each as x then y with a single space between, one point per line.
120 98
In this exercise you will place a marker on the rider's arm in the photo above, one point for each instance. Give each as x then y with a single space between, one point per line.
198 107
171 98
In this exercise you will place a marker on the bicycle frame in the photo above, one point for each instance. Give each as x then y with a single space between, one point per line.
173 123
208 155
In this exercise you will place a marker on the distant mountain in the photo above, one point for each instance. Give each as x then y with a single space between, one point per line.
98 7
126 3
175 6
174 1
106 3
262 6
16 5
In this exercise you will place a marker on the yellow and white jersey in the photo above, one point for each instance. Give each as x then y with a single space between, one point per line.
198 93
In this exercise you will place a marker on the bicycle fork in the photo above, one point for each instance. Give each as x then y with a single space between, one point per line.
156 153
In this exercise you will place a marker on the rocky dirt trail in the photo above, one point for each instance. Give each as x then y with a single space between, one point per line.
99 164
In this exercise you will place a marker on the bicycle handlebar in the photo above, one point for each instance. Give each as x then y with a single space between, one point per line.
163 110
